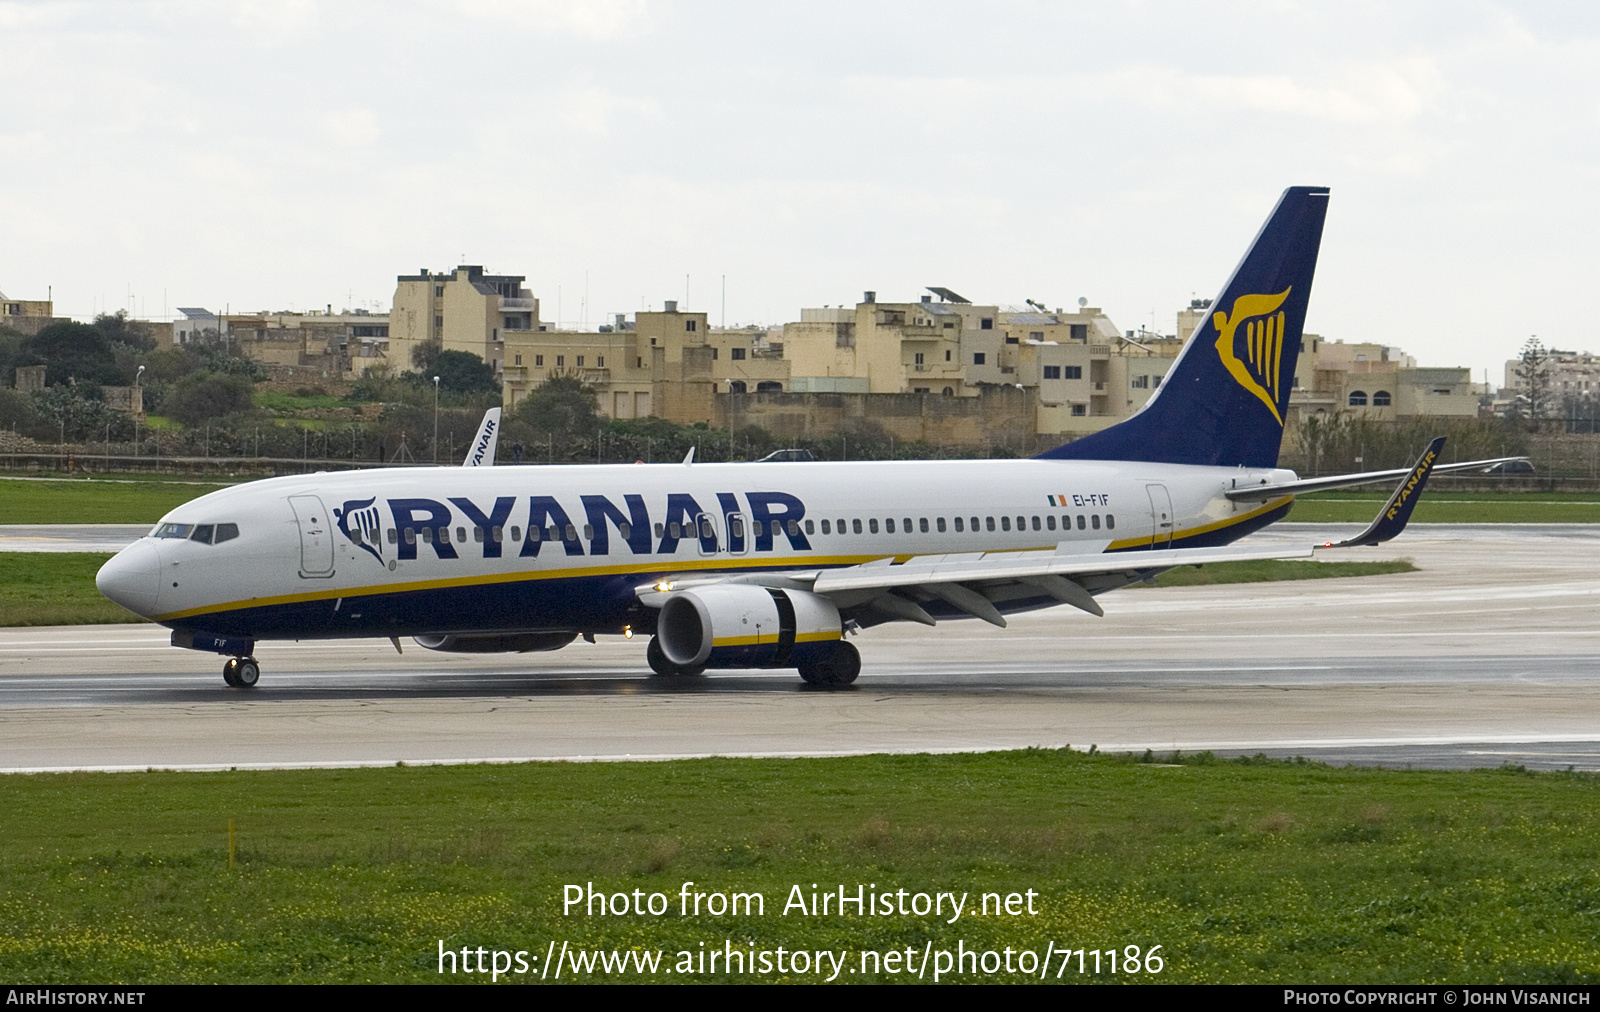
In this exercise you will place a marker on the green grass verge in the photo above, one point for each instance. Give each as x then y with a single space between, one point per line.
278 401
1455 507
94 501
55 588
1242 871
1270 570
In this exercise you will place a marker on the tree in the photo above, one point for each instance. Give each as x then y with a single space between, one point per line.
73 352
1534 373
561 407
462 372
200 397
118 329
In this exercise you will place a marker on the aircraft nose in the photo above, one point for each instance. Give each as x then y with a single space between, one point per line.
131 577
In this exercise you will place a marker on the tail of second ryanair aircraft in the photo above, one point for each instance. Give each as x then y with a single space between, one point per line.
1224 399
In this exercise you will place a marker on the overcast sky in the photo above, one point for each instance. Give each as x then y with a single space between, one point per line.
268 155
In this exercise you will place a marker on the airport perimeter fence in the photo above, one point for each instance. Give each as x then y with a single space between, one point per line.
71 462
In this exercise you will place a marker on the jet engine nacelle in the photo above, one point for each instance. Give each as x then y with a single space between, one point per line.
745 626
525 643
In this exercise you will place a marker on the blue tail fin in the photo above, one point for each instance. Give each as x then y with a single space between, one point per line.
1224 399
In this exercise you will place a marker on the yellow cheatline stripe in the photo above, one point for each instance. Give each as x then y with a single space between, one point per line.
748 641
668 566
1190 532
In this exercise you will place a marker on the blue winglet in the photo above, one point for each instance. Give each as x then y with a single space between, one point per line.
1396 513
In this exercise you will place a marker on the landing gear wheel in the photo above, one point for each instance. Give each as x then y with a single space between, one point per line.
249 673
657 659
241 672
838 670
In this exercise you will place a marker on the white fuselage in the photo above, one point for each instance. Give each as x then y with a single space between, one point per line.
402 551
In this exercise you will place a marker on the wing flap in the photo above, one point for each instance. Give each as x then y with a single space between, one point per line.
1018 566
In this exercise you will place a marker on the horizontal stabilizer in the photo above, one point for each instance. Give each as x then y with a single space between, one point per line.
1263 492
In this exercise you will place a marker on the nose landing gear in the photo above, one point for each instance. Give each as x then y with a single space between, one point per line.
241 672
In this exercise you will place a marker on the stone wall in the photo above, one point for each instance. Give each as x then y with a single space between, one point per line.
1000 416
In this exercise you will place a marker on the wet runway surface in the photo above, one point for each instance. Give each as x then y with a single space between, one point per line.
1490 654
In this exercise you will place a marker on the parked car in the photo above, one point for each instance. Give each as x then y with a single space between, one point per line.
1511 467
787 455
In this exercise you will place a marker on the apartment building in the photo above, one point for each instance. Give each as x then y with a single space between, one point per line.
669 363
27 317
463 310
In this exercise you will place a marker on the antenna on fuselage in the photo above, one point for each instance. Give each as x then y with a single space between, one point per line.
688 457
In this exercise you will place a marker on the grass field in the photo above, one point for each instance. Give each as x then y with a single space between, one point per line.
55 588
1242 871
94 501
1455 507
1271 570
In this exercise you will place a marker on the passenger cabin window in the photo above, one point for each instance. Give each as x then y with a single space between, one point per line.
855 525
872 524
888 525
959 525
1094 521
1111 522
988 524
827 528
1005 523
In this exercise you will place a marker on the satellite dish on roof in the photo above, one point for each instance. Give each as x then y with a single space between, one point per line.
1082 302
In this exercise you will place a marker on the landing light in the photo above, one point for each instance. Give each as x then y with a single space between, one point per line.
627 632
664 586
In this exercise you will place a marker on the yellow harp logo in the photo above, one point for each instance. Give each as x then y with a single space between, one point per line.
1258 370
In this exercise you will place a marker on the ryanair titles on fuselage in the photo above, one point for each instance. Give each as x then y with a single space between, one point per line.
426 522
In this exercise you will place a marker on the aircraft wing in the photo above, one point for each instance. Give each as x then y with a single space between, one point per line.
481 453
976 582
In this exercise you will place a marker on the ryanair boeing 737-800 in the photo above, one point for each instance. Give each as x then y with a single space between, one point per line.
759 564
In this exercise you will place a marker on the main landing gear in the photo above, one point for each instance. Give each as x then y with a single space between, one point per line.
838 670
665 668
241 672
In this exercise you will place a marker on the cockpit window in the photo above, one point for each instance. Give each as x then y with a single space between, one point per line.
206 534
